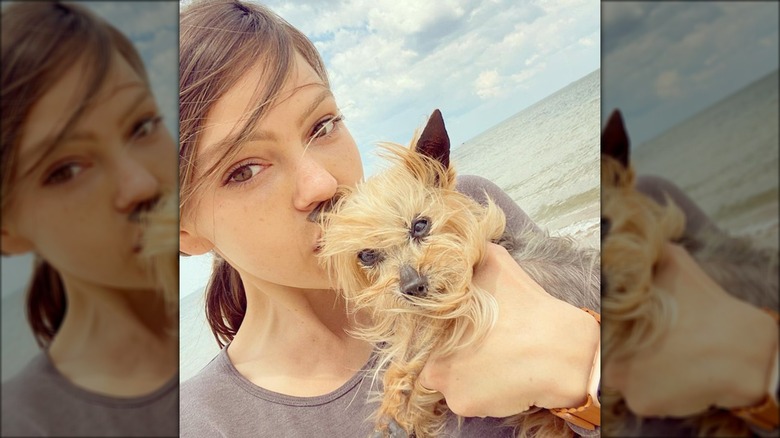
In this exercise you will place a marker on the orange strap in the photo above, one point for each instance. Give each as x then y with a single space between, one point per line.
766 414
587 416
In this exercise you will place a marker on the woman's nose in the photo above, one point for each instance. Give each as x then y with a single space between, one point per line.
314 184
136 184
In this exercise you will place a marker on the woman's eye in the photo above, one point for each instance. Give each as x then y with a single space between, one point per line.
326 127
146 127
63 173
244 173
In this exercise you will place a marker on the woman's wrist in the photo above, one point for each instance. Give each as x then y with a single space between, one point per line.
587 415
755 361
765 415
581 347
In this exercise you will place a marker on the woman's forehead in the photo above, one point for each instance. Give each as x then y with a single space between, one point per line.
233 110
50 114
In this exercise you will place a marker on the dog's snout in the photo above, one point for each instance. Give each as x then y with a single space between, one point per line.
412 283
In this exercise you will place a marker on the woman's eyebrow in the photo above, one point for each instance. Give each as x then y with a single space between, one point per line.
260 135
143 94
313 106
212 155
37 152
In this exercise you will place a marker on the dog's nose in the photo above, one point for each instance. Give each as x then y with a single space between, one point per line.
412 283
606 225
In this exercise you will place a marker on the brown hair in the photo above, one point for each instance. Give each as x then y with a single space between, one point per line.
219 42
40 42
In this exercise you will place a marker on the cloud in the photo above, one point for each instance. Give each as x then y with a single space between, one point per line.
667 85
487 85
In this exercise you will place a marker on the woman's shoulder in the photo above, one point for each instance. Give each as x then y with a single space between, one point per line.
29 383
208 383
218 401
480 189
476 187
19 396
200 399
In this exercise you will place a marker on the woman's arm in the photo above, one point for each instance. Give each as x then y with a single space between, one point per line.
479 188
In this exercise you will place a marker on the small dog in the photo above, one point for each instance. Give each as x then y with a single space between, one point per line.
403 246
636 314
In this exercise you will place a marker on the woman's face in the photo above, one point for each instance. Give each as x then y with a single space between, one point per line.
254 212
77 205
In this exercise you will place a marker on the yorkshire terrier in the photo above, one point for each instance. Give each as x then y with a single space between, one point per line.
635 229
402 247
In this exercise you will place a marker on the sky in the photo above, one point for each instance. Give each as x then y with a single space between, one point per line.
154 29
392 62
665 61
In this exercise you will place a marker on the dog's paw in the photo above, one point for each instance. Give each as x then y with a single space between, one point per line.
391 430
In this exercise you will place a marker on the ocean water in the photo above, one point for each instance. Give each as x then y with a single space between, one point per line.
547 158
726 159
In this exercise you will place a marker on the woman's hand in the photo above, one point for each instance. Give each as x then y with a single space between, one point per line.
540 352
717 352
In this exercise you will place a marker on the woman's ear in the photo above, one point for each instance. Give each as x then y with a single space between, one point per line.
13 244
192 244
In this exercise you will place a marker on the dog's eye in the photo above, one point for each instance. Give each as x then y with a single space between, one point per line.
420 227
369 257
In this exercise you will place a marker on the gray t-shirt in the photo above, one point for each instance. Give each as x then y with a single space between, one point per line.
40 401
219 401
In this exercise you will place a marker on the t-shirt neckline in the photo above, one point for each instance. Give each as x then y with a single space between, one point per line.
290 400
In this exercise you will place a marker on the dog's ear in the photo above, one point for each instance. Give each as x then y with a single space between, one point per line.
614 140
434 141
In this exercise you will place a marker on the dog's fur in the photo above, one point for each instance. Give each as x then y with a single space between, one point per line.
161 251
635 313
447 312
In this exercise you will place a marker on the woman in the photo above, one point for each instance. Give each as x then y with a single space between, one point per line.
262 145
84 158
